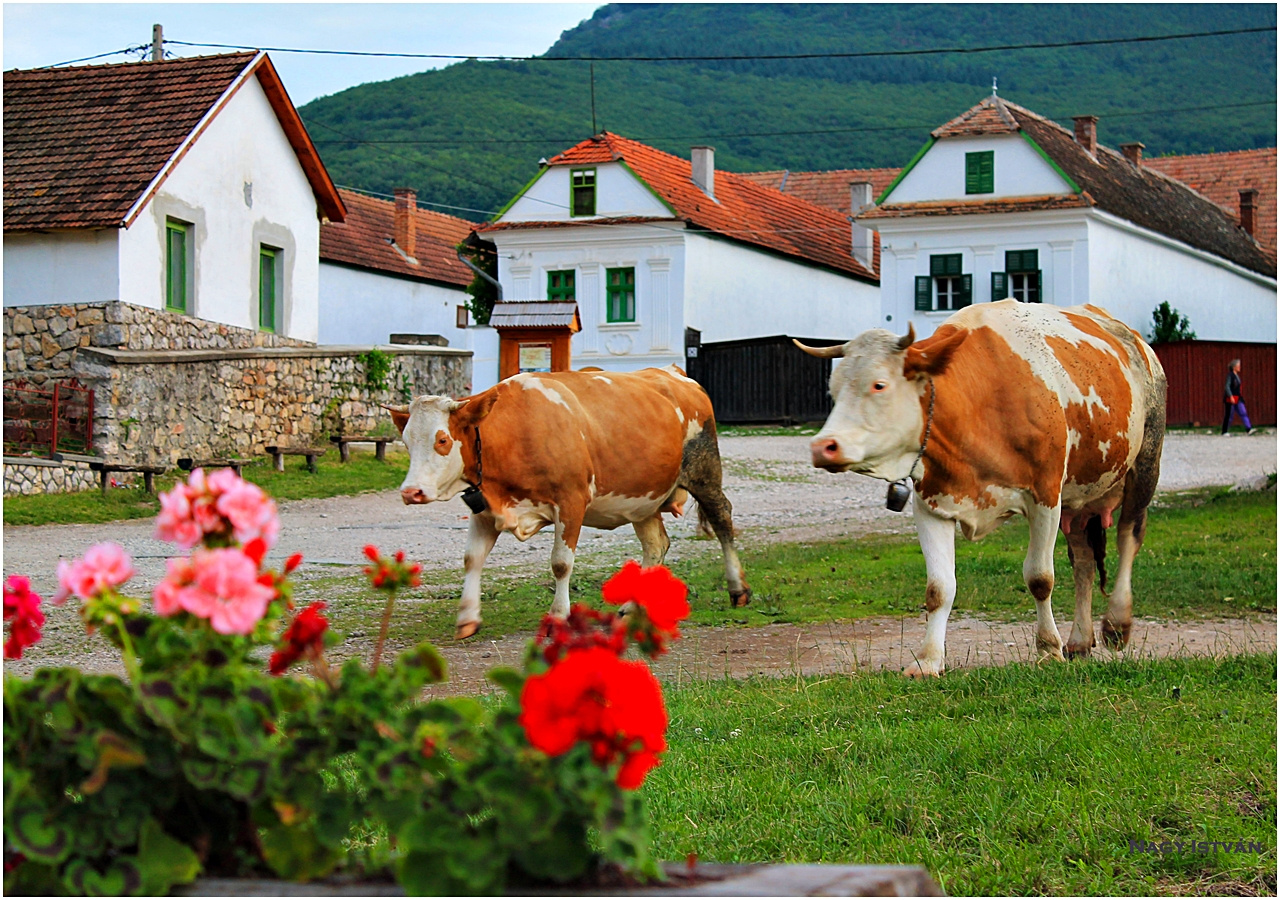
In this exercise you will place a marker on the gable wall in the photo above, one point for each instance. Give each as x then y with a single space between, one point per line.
61 267
244 144
618 193
939 175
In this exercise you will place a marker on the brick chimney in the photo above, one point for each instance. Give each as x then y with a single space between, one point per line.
1249 210
405 222
704 169
1133 151
863 238
1087 133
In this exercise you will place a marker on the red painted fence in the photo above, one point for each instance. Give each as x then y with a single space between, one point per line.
43 421
1197 373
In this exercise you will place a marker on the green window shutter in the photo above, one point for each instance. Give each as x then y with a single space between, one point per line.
945 264
175 266
999 286
979 172
924 293
1039 286
966 291
583 192
620 287
1021 260
560 285
267 294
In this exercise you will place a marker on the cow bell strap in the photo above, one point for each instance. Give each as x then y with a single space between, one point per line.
898 494
928 426
472 496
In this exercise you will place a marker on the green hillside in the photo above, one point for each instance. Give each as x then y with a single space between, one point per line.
471 134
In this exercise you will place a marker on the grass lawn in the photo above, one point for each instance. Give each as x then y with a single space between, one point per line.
1019 780
332 479
1207 553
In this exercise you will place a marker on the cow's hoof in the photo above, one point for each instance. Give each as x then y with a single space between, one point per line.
1116 637
740 599
466 630
1049 649
923 668
1078 651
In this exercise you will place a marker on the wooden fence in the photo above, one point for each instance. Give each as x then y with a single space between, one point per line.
1197 373
43 421
762 380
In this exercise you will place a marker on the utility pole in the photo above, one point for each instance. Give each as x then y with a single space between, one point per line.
157 43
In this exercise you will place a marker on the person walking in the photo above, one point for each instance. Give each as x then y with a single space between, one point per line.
1233 400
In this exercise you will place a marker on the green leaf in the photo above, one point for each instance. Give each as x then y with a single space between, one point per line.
508 679
164 861
112 751
34 833
297 853
562 856
423 662
120 879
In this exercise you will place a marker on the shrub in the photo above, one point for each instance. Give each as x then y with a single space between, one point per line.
1168 325
208 759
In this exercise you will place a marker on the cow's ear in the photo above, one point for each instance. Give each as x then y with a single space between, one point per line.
473 409
399 415
932 355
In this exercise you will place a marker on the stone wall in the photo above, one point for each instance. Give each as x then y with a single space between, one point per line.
158 406
44 476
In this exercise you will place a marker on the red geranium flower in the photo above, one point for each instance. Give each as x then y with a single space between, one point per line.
22 612
583 628
662 596
591 695
391 574
304 635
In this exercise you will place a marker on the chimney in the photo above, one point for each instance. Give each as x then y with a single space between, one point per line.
1133 151
1087 133
405 222
1249 210
863 239
704 169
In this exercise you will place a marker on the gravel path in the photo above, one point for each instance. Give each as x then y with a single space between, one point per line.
776 494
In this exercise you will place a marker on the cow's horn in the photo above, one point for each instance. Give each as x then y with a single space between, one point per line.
909 338
821 352
403 410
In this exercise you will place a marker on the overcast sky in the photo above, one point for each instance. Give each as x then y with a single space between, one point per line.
42 34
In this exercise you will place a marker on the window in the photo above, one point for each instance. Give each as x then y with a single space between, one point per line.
945 288
980 172
620 285
176 248
268 288
583 201
560 285
1021 279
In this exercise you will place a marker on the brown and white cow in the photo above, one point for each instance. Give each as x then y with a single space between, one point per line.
1055 413
569 449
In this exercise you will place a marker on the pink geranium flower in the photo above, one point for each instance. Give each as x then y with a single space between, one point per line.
22 612
250 511
221 504
104 566
174 522
219 585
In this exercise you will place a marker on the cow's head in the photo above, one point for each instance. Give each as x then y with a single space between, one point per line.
875 426
433 429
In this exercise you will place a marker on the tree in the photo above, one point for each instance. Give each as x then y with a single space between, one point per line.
1168 325
483 292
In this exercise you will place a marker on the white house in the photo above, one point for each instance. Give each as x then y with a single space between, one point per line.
650 244
391 268
1002 202
187 185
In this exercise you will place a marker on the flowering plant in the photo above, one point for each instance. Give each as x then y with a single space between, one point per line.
217 755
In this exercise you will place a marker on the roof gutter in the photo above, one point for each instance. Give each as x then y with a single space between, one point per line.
482 273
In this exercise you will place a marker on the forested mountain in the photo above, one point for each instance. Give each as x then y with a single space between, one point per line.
471 134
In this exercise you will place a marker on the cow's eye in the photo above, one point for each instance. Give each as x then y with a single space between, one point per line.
878 387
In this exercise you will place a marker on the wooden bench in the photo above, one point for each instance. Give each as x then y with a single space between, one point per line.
186 464
344 442
279 453
104 470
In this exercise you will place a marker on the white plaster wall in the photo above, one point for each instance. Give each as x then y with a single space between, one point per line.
1131 272
657 252
734 292
618 193
244 144
939 175
484 357
61 267
1061 237
364 307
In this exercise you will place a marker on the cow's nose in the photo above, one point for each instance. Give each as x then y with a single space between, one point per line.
413 495
826 450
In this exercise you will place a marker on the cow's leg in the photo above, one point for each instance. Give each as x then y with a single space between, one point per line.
1083 568
481 534
938 543
568 530
653 540
1037 571
1118 620
700 475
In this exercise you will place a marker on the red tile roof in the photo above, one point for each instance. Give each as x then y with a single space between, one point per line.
1138 194
978 207
742 211
364 241
829 189
1221 177
83 144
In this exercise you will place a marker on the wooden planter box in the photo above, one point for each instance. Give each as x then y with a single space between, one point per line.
703 880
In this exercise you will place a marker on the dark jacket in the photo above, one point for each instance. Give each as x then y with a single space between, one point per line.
1232 388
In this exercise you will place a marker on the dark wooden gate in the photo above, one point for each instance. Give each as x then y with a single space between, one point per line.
1197 373
762 380
43 421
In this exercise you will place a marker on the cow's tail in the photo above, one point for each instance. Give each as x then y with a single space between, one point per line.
1096 535
704 525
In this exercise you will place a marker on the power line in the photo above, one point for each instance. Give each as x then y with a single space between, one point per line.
68 62
369 193
869 54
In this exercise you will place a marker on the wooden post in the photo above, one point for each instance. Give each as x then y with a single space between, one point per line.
381 451
148 481
311 463
157 43
53 431
88 429
344 450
